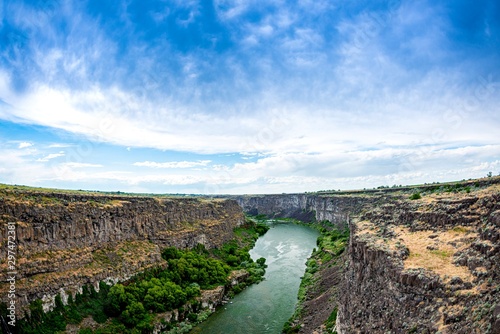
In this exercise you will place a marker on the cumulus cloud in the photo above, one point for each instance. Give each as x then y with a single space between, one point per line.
24 145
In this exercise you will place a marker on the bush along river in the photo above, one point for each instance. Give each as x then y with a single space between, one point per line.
265 307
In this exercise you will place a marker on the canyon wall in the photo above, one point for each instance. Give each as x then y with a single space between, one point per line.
335 208
430 264
66 240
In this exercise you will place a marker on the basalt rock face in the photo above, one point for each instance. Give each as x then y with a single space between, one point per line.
64 241
282 206
424 266
336 209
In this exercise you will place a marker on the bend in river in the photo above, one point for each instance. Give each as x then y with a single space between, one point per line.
265 307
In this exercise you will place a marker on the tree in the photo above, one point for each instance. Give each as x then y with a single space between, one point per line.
118 299
171 253
134 314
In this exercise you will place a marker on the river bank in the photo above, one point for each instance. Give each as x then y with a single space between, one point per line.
265 307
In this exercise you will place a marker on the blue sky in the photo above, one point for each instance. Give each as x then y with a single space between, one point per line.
246 96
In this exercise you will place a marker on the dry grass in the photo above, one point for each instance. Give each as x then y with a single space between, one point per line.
436 254
429 250
114 203
366 227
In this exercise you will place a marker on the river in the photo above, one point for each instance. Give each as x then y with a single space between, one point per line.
265 307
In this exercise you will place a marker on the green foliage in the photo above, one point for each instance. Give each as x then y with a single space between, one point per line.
88 303
171 253
261 217
192 317
261 261
253 228
330 322
289 328
311 266
232 254
455 188
193 267
415 196
332 243
39 322
85 331
261 229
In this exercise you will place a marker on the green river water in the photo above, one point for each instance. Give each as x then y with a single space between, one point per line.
265 307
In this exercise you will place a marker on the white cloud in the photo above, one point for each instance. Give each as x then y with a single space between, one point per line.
24 145
172 164
51 156
230 9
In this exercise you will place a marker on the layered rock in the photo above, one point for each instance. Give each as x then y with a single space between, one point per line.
65 240
335 208
424 266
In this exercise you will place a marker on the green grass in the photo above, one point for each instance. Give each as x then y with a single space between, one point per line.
330 322
441 253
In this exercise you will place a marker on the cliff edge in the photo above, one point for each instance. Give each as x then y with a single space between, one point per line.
66 240
427 265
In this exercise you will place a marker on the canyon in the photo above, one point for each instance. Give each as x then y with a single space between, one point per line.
422 259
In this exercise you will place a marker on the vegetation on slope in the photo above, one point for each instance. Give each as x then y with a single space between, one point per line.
331 245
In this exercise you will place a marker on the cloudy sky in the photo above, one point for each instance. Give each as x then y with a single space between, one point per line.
247 96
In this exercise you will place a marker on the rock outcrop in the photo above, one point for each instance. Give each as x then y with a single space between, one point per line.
424 266
67 240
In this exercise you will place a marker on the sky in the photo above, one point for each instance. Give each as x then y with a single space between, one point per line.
247 96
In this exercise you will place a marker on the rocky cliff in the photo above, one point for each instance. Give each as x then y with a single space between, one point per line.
429 264
425 266
335 208
66 240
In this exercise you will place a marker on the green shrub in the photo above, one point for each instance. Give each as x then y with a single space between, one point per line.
171 253
415 196
192 317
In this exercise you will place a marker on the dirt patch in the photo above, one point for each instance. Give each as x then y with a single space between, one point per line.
434 250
